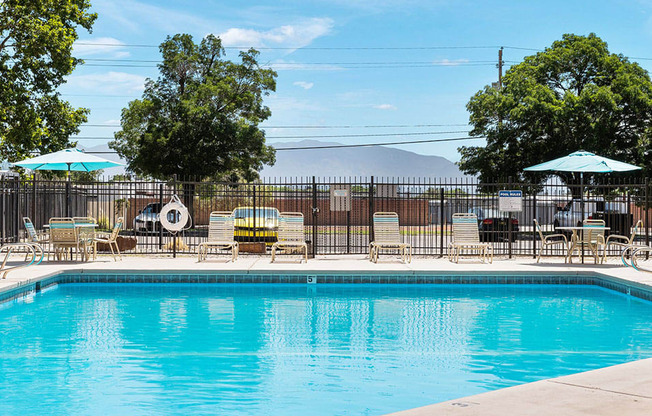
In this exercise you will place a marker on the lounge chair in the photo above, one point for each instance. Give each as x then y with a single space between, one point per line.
291 235
588 237
220 235
109 238
621 241
34 237
63 237
387 236
551 240
467 237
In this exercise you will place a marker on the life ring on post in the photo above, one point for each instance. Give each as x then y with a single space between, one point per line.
174 206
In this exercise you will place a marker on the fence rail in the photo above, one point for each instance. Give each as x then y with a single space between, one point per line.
337 211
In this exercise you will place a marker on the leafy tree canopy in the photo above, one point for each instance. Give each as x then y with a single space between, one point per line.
201 116
36 39
573 96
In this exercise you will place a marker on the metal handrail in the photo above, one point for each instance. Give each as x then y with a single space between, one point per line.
632 251
9 248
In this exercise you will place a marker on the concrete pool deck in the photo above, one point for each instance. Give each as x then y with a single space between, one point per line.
619 390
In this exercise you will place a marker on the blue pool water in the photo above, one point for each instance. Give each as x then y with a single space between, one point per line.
152 349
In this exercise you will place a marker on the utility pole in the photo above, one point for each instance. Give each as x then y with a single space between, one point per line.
500 68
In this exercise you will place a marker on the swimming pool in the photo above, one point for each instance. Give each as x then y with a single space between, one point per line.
282 349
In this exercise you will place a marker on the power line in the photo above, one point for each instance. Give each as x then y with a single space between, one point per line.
379 126
317 136
324 48
452 139
317 65
339 146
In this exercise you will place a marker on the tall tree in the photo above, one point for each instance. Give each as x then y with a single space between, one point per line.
201 116
36 39
575 95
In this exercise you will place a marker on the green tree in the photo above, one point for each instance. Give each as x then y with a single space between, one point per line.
200 117
575 95
36 39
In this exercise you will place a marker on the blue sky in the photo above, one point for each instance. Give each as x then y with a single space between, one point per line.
409 83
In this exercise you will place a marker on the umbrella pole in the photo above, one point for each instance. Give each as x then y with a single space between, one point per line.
68 192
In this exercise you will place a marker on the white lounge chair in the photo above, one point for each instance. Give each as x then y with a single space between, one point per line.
220 235
291 237
467 237
387 236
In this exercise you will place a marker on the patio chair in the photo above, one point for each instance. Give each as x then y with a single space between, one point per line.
111 239
63 237
551 240
291 237
467 237
220 235
34 237
622 241
387 236
85 234
593 239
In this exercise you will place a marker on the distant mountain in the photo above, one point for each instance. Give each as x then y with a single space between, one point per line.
339 162
377 161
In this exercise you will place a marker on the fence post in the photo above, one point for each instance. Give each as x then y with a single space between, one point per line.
534 231
160 227
253 237
647 216
17 211
315 210
34 198
509 223
174 236
442 220
371 210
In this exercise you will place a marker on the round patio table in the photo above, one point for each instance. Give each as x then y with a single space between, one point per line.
575 239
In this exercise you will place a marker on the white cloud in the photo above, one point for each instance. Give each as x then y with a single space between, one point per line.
303 84
104 46
448 62
109 82
289 36
385 107
141 17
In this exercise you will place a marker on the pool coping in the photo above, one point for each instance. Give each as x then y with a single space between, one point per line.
29 286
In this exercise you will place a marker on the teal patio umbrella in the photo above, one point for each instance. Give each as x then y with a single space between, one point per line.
68 160
583 161
74 160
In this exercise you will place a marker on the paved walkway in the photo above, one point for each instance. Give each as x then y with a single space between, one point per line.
621 390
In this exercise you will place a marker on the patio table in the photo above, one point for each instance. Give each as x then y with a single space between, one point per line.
85 234
575 239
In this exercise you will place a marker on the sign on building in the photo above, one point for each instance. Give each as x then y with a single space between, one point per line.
340 197
510 201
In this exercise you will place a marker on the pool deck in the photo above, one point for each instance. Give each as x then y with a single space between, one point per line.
619 390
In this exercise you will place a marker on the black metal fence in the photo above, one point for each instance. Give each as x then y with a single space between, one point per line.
337 211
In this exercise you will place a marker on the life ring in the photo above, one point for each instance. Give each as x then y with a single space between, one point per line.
174 205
